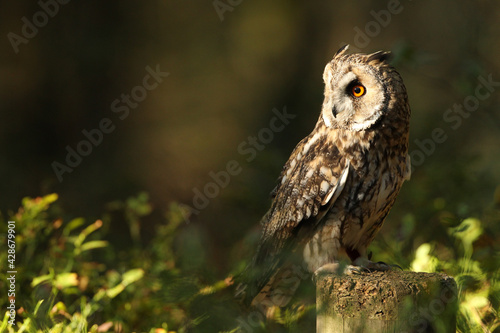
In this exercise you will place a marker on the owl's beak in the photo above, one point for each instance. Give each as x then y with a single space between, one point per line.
334 112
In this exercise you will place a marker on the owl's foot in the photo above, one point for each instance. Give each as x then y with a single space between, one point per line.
366 265
331 268
336 268
392 266
358 266
352 270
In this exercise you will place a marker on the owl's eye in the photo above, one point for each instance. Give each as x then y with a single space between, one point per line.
358 90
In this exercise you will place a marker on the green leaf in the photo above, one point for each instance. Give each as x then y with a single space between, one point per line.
132 276
93 245
477 301
37 307
113 292
468 231
40 203
65 280
424 261
73 224
140 205
40 279
85 232
128 277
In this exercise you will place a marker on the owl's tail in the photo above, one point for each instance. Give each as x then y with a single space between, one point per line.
277 292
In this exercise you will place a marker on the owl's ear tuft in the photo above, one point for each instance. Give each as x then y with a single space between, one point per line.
379 57
341 51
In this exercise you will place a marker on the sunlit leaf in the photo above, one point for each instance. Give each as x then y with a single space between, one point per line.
59 306
73 224
132 276
93 245
468 231
37 307
424 261
40 279
477 301
85 232
113 292
65 280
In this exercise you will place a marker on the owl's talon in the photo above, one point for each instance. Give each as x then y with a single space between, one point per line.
351 270
369 266
391 266
379 266
396 266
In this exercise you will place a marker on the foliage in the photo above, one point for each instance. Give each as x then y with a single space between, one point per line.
465 249
73 278
70 279
478 279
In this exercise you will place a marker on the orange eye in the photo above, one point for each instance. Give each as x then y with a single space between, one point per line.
358 90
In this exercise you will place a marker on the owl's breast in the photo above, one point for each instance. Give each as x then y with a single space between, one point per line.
370 194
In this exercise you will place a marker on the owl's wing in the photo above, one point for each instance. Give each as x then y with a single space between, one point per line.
310 182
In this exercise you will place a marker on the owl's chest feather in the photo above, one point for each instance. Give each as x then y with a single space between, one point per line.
378 172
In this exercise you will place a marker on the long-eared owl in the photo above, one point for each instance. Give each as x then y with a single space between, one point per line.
340 181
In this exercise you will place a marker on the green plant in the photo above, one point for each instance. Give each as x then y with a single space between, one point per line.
75 277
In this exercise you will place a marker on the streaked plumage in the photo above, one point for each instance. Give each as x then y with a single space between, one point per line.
340 181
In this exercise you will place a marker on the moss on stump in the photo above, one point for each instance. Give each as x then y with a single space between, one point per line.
392 301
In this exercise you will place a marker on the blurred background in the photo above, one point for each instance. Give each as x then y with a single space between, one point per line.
229 64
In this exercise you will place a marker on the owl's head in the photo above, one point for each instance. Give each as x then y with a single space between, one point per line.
360 89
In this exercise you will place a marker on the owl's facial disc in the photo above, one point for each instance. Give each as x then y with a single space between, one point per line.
354 101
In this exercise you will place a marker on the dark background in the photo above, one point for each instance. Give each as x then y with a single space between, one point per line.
225 77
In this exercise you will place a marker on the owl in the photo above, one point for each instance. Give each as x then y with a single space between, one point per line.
340 181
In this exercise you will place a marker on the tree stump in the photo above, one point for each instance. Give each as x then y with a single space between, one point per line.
392 301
